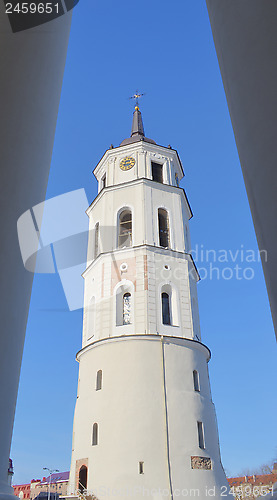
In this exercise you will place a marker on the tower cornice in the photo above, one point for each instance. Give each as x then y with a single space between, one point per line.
153 248
139 146
141 180
185 342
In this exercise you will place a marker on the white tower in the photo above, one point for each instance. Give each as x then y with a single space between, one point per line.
144 422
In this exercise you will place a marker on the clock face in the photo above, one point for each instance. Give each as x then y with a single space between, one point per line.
127 163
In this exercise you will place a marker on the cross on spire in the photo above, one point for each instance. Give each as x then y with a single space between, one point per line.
136 96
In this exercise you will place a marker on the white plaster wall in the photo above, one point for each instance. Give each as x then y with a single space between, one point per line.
148 270
141 419
185 408
143 153
143 198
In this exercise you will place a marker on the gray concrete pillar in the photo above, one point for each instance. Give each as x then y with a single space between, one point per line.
245 38
32 66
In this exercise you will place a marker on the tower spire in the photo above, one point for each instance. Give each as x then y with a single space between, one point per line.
137 125
137 132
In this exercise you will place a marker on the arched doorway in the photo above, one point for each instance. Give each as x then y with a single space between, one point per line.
83 478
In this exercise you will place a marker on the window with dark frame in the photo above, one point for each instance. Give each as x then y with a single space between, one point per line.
200 435
157 172
164 239
196 381
166 309
95 434
141 467
99 377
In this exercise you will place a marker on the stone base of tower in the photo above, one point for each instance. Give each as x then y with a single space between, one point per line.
148 414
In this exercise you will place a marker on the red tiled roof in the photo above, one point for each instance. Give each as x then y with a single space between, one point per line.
26 485
255 479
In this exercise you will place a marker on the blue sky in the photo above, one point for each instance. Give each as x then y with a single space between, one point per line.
165 50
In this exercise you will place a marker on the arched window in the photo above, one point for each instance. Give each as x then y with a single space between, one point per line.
164 239
166 309
99 380
169 305
96 240
125 229
127 308
95 434
196 381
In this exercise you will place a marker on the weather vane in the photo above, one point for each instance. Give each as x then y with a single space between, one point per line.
136 96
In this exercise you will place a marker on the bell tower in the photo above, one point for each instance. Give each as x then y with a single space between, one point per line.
144 422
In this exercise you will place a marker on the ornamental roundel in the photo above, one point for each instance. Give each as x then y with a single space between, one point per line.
127 163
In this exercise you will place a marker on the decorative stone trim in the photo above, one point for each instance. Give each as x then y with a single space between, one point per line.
201 463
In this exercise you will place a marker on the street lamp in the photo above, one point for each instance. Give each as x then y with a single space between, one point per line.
51 471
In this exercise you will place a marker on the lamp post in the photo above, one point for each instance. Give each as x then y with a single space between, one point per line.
51 471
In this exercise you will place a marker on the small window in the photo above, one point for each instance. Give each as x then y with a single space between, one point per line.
141 467
166 309
157 172
96 240
104 179
163 228
95 434
196 381
125 229
127 308
201 435
99 380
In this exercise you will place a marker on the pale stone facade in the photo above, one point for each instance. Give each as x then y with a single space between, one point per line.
144 422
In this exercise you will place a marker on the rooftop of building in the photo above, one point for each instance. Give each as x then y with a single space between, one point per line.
24 485
254 479
55 478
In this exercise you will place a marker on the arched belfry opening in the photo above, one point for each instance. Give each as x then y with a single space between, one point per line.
164 238
125 229
83 478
